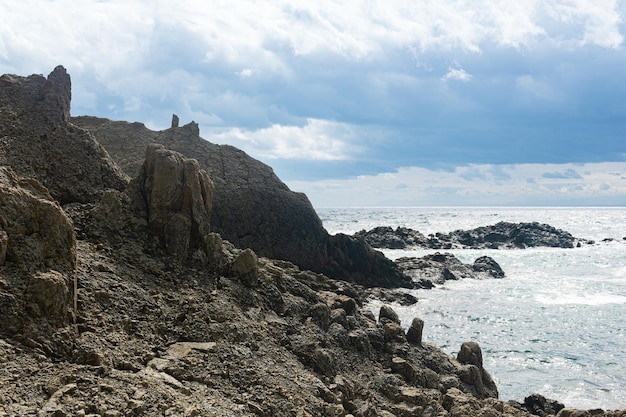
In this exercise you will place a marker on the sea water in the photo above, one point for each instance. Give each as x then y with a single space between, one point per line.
555 325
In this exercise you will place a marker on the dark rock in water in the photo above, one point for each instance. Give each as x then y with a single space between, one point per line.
488 265
440 267
503 235
38 140
539 405
386 237
388 295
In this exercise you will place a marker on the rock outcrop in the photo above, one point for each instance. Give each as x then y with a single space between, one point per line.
37 257
503 235
178 198
438 268
38 141
251 208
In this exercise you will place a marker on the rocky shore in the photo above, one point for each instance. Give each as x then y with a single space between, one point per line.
157 274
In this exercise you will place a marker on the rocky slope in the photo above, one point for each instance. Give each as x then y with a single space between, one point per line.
125 303
503 235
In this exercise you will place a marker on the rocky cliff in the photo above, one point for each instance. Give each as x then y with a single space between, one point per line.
126 304
36 137
252 208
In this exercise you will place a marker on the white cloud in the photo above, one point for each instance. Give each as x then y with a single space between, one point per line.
260 35
320 140
516 184
457 74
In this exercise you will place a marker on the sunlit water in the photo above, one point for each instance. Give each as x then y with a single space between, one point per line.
556 325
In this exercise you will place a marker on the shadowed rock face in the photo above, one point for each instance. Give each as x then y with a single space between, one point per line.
38 141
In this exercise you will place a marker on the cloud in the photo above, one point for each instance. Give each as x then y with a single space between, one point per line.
318 140
513 184
457 74
567 174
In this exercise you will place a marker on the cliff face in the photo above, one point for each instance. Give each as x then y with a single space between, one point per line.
36 139
252 207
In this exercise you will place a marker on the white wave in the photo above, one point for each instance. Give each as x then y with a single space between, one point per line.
588 299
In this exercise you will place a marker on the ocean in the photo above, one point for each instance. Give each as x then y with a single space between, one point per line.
555 325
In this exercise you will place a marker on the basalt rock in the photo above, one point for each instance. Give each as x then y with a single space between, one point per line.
38 141
440 267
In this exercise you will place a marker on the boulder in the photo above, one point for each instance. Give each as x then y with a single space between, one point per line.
472 373
487 265
539 405
414 334
38 140
37 234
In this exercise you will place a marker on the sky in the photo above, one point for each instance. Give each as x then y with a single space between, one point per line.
360 102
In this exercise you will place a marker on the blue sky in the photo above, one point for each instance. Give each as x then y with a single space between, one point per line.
361 103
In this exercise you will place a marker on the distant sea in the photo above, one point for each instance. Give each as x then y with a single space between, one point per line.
555 325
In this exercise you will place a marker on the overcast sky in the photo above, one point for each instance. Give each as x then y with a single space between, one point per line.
360 103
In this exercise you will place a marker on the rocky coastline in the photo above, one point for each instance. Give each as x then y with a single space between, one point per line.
157 274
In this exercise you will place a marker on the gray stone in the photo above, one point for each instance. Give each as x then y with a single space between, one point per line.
414 334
